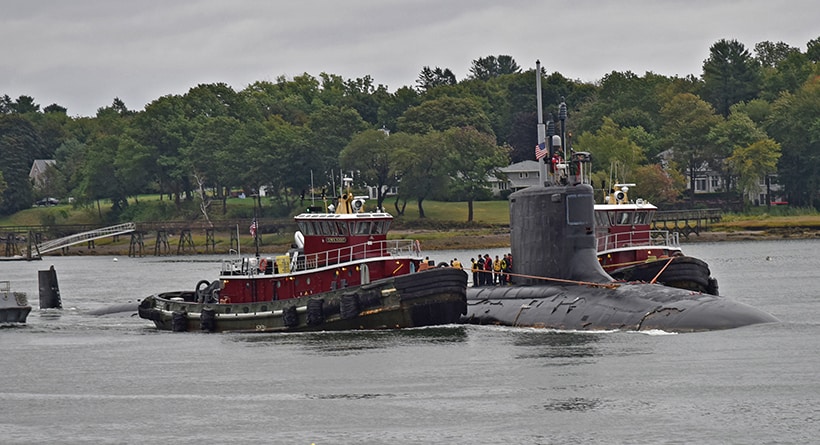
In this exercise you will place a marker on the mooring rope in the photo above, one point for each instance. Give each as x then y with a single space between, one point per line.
561 280
663 269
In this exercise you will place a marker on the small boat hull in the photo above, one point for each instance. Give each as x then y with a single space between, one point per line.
14 307
428 298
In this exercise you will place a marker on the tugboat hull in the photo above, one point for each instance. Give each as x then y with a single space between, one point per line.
684 272
432 297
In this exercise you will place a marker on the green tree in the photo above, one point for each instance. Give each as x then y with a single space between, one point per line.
473 157
25 105
371 154
770 54
421 164
738 130
164 128
432 78
611 146
657 185
392 106
730 75
794 124
289 160
687 122
133 165
813 50
253 156
752 162
442 114
486 68
3 187
331 130
99 177
210 157
19 144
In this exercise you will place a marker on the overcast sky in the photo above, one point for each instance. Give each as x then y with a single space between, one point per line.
81 54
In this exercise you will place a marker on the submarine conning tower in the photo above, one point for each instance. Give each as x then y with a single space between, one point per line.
553 235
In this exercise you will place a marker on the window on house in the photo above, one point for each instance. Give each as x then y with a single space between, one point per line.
700 185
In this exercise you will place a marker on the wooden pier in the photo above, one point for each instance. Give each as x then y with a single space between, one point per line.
686 222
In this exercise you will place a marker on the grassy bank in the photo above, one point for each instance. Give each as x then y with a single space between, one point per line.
444 226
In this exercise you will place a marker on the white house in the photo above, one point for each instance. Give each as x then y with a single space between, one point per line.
709 181
38 170
518 176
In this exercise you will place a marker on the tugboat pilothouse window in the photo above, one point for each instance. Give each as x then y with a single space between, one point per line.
341 228
329 228
306 228
643 217
580 210
601 219
624 218
363 227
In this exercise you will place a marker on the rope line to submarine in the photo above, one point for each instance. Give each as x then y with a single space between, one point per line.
561 280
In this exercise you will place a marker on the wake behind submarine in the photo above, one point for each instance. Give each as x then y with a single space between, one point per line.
558 282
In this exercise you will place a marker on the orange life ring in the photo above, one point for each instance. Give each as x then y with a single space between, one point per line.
263 265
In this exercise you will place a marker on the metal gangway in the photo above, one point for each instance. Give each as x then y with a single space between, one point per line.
83 237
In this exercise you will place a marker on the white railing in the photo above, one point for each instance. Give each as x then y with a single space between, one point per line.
373 249
647 238
78 238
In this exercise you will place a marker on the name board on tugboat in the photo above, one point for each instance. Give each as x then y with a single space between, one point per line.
336 240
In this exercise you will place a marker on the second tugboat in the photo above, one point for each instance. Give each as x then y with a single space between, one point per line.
630 250
341 273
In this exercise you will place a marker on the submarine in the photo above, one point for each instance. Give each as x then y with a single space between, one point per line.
50 297
558 282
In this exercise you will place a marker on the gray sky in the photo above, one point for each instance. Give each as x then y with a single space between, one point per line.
82 53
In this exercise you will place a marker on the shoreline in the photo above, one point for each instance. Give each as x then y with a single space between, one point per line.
459 240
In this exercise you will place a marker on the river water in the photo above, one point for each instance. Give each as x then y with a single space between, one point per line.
69 377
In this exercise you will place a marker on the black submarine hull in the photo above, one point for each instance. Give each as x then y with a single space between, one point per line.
621 306
559 283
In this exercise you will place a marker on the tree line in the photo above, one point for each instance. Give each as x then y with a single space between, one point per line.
749 114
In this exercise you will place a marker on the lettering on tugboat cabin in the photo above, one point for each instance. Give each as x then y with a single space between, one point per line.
335 240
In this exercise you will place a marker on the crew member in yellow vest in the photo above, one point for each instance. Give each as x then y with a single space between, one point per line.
456 264
496 270
474 268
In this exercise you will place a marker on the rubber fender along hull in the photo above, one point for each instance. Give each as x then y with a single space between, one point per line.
628 306
428 298
683 271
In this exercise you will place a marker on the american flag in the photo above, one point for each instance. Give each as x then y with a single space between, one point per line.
540 151
253 228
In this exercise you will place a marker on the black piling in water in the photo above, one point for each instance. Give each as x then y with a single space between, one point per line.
49 289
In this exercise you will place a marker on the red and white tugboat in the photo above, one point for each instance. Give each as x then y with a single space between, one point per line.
629 250
341 273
